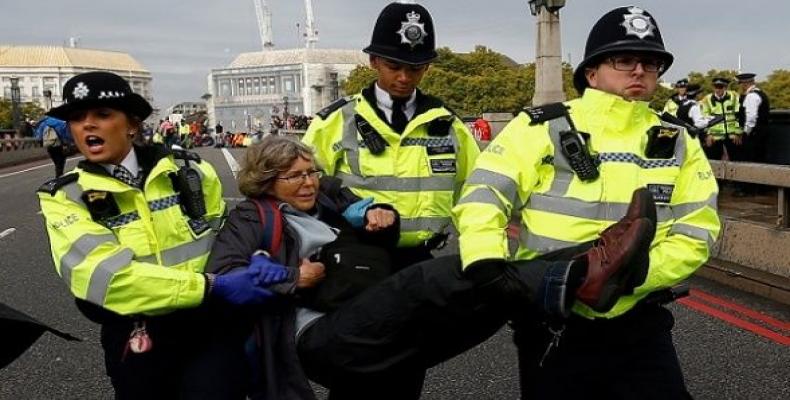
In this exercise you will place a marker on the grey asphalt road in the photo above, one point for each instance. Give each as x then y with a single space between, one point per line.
720 361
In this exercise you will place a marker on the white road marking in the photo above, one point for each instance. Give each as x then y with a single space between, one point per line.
49 164
7 232
234 166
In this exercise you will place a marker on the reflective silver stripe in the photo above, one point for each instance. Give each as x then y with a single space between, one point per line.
349 141
541 244
79 251
102 275
682 210
485 196
74 193
601 211
398 184
563 173
187 251
503 183
693 232
433 224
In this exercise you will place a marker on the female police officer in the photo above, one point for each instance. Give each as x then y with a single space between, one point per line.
130 230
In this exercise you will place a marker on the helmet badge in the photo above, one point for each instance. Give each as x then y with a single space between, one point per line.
412 31
637 23
80 91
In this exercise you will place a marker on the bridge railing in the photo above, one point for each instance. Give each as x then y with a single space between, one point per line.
764 174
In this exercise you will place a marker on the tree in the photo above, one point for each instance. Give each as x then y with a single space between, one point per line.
28 111
777 87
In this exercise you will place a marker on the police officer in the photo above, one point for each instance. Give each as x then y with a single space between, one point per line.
726 134
394 143
569 168
755 108
130 230
677 99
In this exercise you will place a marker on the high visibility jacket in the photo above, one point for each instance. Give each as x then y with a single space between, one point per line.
183 130
145 259
524 170
729 106
418 174
672 105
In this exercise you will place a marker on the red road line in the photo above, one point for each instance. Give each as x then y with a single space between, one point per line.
709 298
732 320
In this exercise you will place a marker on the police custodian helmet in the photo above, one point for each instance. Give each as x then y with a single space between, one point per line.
404 33
624 29
100 89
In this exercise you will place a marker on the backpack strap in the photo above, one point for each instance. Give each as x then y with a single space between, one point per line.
272 223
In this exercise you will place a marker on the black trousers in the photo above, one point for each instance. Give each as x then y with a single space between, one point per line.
716 151
629 357
58 156
194 356
379 345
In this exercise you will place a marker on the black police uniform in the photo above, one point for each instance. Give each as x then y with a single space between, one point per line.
628 357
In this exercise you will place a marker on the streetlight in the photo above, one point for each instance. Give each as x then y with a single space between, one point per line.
551 5
285 106
15 98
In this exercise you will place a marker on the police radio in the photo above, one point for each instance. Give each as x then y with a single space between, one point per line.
190 191
574 147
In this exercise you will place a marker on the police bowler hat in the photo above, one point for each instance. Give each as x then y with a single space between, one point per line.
721 81
745 77
682 83
627 29
100 89
404 33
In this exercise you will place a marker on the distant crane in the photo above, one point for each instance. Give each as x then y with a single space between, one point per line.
264 23
311 34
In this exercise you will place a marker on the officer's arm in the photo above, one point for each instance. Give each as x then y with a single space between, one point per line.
216 209
750 104
324 136
467 154
98 268
502 179
695 227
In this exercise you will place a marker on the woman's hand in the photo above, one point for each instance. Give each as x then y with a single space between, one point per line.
310 274
378 219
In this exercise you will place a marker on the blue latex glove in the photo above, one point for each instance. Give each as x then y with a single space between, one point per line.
269 272
355 213
242 286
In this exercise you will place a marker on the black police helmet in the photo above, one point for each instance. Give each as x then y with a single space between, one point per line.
404 33
100 89
622 30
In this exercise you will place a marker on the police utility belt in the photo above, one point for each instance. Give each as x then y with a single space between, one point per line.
574 144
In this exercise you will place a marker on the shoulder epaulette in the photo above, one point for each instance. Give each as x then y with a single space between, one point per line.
334 107
186 155
53 185
546 112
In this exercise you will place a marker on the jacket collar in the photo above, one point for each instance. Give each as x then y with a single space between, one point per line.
620 114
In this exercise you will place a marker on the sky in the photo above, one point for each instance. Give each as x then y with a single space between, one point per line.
180 41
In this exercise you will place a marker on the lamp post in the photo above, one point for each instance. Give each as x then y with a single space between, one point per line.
285 107
15 97
548 59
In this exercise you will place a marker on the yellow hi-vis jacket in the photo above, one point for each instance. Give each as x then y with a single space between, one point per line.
418 174
671 106
524 170
148 258
729 107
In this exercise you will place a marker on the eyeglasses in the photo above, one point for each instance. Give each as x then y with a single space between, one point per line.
628 63
301 177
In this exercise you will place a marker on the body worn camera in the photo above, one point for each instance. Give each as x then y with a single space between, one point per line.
574 147
190 192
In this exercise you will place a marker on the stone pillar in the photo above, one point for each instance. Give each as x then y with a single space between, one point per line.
548 60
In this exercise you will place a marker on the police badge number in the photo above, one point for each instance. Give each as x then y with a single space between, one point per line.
412 31
637 23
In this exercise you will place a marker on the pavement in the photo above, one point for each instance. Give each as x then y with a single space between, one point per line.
732 345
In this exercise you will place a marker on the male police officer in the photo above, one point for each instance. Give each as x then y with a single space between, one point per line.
394 143
726 134
569 169
755 108
678 98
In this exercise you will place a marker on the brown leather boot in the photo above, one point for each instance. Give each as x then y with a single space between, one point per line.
610 262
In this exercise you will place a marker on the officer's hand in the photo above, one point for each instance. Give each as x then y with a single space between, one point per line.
268 272
240 287
709 141
379 218
310 274
736 139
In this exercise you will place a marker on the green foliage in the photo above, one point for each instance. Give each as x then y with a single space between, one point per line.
486 81
28 111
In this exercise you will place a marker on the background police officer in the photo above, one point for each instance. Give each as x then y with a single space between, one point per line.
726 134
677 99
130 230
569 169
755 107
394 143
